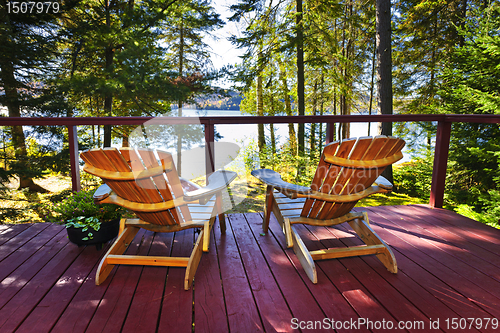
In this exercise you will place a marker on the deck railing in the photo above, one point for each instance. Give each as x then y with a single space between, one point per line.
440 154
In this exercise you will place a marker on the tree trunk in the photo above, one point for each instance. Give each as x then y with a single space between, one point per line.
180 102
384 74
10 86
260 127
108 98
300 76
288 110
321 111
312 135
372 83
125 136
300 88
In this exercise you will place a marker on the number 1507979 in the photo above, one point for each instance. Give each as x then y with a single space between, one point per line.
32 7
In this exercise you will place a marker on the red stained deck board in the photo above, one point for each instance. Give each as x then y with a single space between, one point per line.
209 308
459 235
113 309
328 297
146 303
23 253
400 308
485 262
417 294
45 315
177 308
414 265
8 231
83 305
404 306
14 242
242 312
14 312
436 252
420 297
446 284
273 308
358 297
17 279
474 232
470 278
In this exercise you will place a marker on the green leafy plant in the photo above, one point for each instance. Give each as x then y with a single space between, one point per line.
85 223
78 210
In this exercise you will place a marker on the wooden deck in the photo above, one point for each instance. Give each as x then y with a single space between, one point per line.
449 268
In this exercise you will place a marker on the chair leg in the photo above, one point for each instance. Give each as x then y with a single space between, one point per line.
304 256
118 248
220 212
194 261
288 233
368 235
122 225
268 208
206 233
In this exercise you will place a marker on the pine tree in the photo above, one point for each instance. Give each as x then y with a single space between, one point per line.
27 57
187 26
114 61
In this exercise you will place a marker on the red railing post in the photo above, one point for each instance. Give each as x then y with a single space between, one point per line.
74 158
329 132
209 148
440 164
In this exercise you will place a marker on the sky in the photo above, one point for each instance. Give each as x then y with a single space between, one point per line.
223 51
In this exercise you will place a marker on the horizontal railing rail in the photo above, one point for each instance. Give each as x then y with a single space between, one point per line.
443 133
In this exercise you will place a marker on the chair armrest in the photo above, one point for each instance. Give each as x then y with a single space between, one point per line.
188 185
273 178
383 183
102 193
216 182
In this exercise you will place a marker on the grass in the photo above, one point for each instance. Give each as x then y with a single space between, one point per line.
22 206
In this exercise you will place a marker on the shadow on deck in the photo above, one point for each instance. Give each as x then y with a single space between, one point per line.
449 268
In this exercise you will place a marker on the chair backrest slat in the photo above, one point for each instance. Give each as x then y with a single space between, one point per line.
174 182
147 190
326 179
338 180
361 179
338 187
151 186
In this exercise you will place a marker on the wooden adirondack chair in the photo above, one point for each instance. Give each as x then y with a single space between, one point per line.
347 172
135 180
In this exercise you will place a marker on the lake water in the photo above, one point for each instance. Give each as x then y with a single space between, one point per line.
243 134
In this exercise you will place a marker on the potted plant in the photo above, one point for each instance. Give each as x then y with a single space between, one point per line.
86 222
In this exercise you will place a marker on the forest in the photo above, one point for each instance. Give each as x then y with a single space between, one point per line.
76 58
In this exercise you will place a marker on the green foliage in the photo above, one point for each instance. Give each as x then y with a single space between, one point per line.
81 204
283 161
471 80
414 178
85 223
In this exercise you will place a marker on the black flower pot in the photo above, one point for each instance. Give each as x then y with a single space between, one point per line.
106 232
